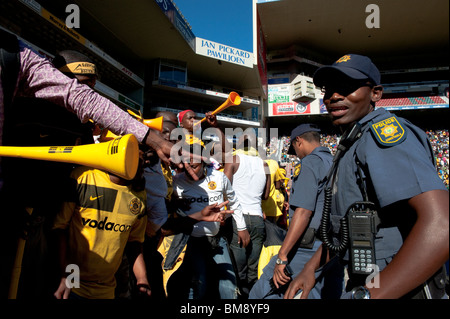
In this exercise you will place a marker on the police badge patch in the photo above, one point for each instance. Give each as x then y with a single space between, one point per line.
388 132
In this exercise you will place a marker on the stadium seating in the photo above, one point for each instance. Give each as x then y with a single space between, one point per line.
418 100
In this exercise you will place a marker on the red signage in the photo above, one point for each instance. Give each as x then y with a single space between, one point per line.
291 108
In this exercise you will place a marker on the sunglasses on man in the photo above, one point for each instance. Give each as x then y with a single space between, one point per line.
344 87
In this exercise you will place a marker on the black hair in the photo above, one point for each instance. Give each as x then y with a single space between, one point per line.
312 136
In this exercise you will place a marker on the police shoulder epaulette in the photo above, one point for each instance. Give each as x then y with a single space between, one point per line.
388 132
297 169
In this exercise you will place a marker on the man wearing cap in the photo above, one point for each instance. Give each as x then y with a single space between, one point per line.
305 208
39 122
384 160
76 65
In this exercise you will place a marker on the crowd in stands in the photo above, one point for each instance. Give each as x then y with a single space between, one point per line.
439 141
330 141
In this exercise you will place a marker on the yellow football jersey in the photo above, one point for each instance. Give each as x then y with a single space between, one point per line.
101 217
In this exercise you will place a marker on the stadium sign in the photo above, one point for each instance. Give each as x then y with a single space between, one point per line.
223 52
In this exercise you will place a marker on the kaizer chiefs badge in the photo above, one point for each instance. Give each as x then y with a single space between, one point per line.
212 185
135 206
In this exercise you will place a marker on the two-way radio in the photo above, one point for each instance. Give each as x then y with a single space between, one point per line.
360 223
363 224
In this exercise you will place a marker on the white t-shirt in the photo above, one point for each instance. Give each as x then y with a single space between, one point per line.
249 182
214 188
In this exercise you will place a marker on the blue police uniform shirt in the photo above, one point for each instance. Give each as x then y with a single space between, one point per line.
307 189
398 163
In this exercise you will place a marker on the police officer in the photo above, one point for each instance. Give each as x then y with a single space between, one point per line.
305 210
388 161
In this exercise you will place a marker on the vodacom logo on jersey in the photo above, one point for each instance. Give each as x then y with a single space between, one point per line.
202 199
105 225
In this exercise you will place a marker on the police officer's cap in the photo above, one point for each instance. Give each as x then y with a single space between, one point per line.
357 67
299 131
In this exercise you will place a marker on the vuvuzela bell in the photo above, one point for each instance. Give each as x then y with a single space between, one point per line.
233 99
156 123
119 156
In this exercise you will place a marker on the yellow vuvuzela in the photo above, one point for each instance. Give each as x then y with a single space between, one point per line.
119 156
233 99
155 123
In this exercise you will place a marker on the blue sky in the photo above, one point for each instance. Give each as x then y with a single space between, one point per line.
227 22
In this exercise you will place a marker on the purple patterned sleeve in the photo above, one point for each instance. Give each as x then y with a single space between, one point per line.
38 78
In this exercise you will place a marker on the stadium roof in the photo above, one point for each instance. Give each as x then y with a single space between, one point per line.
145 30
412 33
